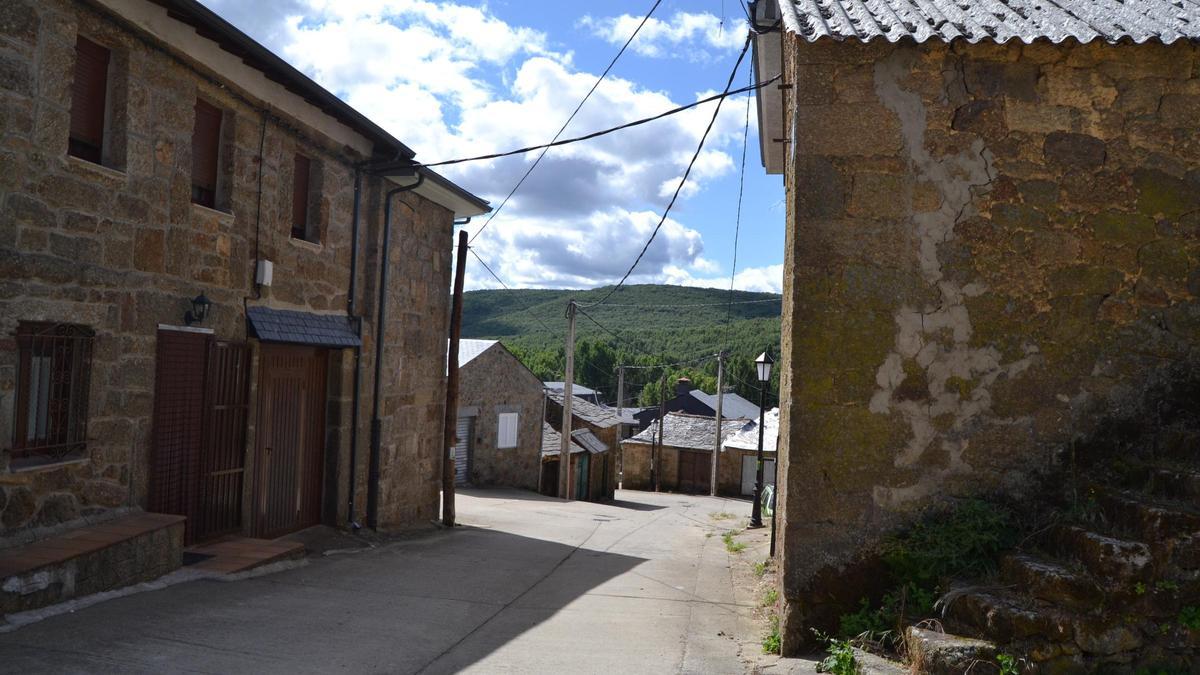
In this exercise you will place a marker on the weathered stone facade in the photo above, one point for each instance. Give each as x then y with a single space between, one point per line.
122 249
496 382
988 247
606 427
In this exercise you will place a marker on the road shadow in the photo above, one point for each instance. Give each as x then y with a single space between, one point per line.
505 494
634 506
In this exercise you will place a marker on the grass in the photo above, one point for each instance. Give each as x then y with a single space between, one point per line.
770 597
760 568
721 515
770 641
731 545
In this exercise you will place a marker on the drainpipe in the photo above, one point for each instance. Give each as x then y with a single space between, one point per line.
350 309
381 317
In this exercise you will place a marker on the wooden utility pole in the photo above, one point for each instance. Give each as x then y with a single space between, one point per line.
564 458
620 389
451 425
662 422
720 397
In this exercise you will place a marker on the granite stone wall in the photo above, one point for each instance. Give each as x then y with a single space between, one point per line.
121 248
492 383
989 246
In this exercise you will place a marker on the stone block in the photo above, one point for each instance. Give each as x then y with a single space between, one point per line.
1013 80
19 21
149 250
880 195
16 75
1074 150
1030 117
982 116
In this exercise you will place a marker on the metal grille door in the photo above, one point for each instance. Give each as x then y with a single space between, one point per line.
178 424
222 460
464 435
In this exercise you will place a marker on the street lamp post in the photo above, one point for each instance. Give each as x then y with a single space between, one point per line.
763 364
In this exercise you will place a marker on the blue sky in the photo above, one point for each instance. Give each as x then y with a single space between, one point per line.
464 78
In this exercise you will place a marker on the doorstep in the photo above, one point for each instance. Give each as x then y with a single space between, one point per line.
241 554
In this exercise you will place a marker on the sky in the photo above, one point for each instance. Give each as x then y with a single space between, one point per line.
460 78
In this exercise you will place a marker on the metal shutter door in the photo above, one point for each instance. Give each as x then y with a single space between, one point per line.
462 449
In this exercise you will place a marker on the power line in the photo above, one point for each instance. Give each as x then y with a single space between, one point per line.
563 128
683 180
603 132
525 308
686 306
737 223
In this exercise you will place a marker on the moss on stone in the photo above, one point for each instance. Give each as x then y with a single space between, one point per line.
1160 193
1121 228
1085 280
1165 258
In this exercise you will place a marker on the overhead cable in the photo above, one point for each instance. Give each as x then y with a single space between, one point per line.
737 221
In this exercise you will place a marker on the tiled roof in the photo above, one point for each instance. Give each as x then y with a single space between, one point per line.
732 406
747 437
693 432
469 349
552 442
304 328
993 20
602 416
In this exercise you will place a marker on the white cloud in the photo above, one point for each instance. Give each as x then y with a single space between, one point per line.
768 279
697 33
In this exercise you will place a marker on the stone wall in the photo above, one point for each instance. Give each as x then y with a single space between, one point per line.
987 244
122 249
492 383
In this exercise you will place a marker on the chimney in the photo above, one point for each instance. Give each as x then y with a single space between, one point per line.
682 386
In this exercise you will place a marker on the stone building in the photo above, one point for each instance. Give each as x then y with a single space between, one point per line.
739 456
601 424
500 409
993 244
192 235
684 458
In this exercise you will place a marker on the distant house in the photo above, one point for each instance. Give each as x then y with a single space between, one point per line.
601 421
591 465
690 400
585 393
500 407
685 458
741 450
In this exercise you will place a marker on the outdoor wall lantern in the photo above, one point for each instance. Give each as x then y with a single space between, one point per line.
199 310
763 364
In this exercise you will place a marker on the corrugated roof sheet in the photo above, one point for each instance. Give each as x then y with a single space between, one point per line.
552 442
303 328
747 437
588 440
687 431
732 406
469 349
994 20
601 416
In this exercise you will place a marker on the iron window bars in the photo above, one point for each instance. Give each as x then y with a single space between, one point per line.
53 376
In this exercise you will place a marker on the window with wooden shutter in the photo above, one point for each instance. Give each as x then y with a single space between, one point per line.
89 92
53 377
206 149
506 436
300 199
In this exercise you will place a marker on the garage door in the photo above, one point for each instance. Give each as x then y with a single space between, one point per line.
750 468
465 434
694 472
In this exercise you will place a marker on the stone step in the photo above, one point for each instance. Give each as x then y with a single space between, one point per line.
1052 582
1145 518
937 653
1109 559
1174 483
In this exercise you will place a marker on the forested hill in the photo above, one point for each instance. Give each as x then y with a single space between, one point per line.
642 324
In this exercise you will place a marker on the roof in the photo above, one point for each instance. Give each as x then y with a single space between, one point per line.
469 349
211 26
599 415
732 405
552 442
627 414
694 432
993 20
304 328
576 389
746 438
588 440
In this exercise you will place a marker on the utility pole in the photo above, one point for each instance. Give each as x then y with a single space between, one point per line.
720 397
620 388
451 421
662 423
564 461
621 435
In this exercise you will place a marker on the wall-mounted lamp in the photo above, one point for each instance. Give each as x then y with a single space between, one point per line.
199 310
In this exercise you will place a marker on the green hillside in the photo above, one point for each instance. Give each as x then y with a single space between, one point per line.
642 325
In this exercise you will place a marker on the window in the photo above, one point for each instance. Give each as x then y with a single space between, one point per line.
506 434
206 150
53 372
89 94
301 200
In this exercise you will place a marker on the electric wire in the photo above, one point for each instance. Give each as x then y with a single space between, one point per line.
737 221
686 173
496 212
685 306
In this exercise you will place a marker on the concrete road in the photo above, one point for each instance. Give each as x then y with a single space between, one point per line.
529 584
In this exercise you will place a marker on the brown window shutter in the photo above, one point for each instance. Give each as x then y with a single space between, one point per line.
300 198
88 93
206 144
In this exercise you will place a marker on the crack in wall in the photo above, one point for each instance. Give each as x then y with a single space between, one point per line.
937 337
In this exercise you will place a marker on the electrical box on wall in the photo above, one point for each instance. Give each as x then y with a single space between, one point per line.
264 272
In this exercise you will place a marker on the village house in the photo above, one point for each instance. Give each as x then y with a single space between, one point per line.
592 478
739 459
500 411
601 424
992 256
225 291
682 457
586 393
691 401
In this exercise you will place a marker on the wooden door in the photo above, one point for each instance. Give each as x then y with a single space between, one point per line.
581 476
290 445
223 457
694 472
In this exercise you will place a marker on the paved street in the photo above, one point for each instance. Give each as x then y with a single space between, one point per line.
529 584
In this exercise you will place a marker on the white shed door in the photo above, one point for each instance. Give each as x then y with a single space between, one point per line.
462 449
750 468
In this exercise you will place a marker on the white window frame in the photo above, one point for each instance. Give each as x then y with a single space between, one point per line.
506 430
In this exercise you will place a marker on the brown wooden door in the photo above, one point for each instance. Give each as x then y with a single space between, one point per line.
222 463
290 447
694 472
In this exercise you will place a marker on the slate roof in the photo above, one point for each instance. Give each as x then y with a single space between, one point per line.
576 390
552 442
303 328
469 349
692 432
602 416
588 440
732 407
746 438
993 20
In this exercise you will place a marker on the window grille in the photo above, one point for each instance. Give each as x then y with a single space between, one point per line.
53 376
